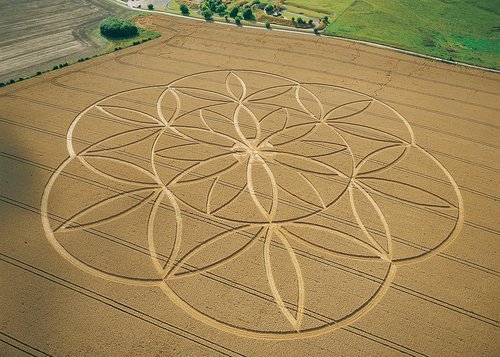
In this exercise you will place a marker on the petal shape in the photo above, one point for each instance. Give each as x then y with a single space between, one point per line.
263 188
274 121
192 151
306 165
404 192
330 241
206 136
204 94
168 106
366 132
348 109
226 188
119 170
279 235
246 124
270 93
123 140
311 148
109 209
290 134
207 169
382 245
129 115
309 102
381 159
216 251
235 86
167 229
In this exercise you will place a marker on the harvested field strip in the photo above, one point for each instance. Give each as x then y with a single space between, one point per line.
38 35
306 46
109 301
21 346
303 53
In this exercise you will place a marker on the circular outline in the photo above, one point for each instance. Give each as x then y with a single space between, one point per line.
374 299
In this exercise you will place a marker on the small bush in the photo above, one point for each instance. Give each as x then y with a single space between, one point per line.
268 25
55 67
38 73
221 9
316 31
269 9
248 14
118 28
234 12
151 7
184 9
207 14
2 84
237 21
12 81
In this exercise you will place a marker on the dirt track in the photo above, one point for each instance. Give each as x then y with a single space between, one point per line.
334 197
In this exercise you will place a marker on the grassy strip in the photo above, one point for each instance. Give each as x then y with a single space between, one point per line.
462 31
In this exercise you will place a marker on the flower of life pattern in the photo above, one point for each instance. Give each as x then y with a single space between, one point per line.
259 205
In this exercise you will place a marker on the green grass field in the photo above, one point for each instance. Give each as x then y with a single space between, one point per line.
462 30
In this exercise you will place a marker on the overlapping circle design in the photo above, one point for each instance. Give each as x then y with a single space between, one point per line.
309 187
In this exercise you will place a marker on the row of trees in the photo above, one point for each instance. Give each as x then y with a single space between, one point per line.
210 7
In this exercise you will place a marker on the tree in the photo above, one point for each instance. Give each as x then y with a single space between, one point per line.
184 9
117 28
247 14
269 9
237 21
268 25
316 31
150 7
207 14
234 12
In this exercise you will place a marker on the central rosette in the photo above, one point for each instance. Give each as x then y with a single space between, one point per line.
252 153
253 150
